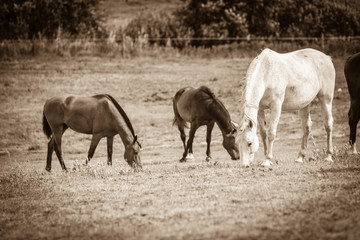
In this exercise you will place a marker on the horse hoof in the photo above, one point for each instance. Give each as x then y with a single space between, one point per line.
328 159
190 156
48 169
252 157
266 163
208 158
299 160
182 160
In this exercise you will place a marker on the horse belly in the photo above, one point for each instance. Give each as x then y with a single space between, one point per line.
80 113
299 97
79 123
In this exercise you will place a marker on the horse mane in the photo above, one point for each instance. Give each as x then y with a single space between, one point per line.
244 84
122 112
216 107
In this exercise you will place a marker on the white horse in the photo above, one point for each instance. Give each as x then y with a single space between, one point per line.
289 81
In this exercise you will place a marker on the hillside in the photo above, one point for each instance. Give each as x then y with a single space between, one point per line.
119 12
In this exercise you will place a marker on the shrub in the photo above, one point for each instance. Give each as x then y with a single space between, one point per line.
28 19
286 18
155 28
214 19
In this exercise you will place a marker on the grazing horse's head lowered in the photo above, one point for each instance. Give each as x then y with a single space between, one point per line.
132 154
248 142
230 143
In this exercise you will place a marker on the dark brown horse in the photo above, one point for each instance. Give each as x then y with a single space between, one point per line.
201 107
352 74
99 115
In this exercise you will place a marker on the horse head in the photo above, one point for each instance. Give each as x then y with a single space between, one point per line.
132 154
248 142
230 143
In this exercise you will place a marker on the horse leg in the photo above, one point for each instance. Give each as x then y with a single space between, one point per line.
306 126
209 129
190 155
110 141
274 120
57 138
94 142
326 105
49 154
188 149
182 135
354 114
262 127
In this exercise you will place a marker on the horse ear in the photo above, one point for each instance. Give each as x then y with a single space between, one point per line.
235 124
232 132
136 140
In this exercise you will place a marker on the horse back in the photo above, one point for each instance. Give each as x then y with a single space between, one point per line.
82 114
352 75
297 77
191 104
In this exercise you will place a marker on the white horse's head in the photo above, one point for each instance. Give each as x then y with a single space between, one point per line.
248 142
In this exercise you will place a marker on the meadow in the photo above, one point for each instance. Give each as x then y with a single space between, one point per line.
166 199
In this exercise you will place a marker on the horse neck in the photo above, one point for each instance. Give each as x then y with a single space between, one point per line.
252 102
254 88
221 117
126 135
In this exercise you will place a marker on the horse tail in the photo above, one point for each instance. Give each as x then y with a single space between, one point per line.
177 118
46 127
208 91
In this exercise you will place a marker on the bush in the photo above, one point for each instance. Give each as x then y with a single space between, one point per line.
286 18
29 19
312 18
214 19
155 28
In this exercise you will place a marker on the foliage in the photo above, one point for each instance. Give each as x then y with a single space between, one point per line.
286 18
214 19
28 19
311 18
183 29
223 19
156 28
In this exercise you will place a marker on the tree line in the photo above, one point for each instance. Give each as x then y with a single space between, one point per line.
29 19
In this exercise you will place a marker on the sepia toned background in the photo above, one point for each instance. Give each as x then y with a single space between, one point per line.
141 52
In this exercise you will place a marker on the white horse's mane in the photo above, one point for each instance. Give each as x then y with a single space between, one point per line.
243 103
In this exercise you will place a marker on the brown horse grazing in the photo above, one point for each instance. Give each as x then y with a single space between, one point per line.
352 74
99 115
201 107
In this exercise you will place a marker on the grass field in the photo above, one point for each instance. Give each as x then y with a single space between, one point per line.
167 199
